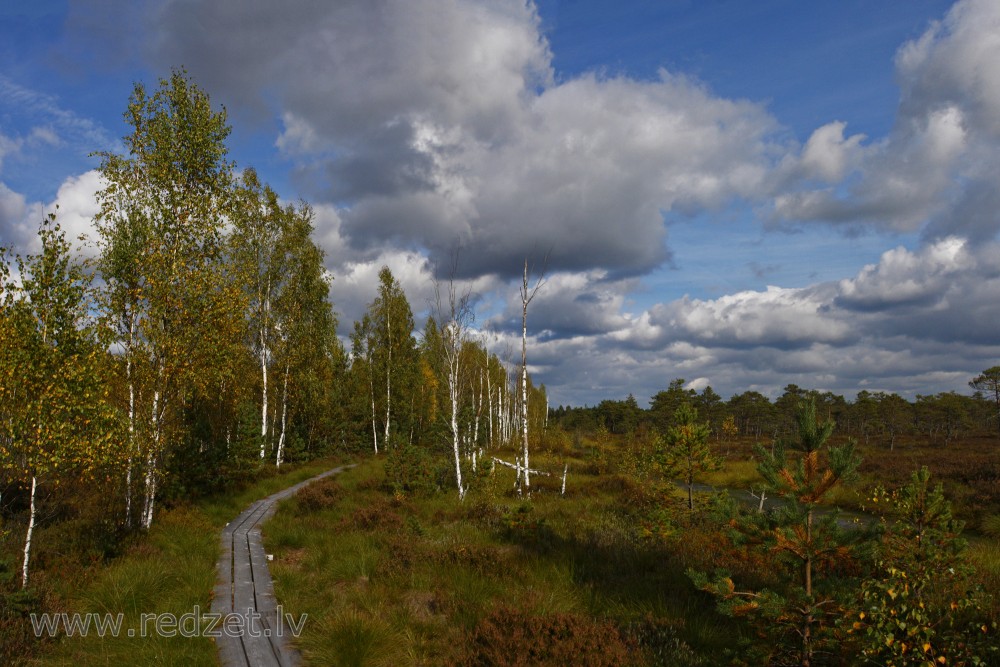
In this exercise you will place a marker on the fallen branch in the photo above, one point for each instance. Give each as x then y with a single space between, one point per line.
519 468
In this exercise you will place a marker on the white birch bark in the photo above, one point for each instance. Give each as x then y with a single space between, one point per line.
284 421
527 294
151 459
150 495
489 402
453 396
388 374
263 371
478 410
525 299
371 387
131 422
30 533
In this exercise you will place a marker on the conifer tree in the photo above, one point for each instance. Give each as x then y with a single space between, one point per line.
800 616
687 452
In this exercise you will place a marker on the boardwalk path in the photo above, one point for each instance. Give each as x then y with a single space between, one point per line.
256 638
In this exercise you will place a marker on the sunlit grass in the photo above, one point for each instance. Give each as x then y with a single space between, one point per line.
735 474
984 554
171 570
402 580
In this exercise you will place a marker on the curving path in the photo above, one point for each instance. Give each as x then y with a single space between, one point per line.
251 633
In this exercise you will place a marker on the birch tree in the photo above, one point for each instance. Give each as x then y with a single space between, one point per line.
59 423
256 243
527 292
363 367
305 323
387 330
455 316
160 229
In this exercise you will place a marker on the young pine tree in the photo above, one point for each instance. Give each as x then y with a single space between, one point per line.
799 616
687 452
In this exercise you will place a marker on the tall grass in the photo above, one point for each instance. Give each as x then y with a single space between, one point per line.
169 570
388 579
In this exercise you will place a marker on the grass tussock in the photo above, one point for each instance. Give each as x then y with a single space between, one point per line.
171 569
388 577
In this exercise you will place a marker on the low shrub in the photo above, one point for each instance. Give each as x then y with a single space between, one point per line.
321 495
411 469
514 638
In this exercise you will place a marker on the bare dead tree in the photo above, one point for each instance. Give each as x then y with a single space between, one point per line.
528 293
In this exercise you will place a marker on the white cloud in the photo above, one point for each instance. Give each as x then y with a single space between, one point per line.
74 205
915 322
420 126
438 122
828 155
12 208
902 276
937 170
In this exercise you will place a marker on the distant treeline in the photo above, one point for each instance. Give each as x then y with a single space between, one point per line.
873 417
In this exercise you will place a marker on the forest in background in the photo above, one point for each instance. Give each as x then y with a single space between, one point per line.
198 352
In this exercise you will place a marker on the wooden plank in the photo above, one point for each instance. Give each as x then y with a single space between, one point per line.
243 582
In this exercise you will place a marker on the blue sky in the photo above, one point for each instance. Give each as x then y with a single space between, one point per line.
742 194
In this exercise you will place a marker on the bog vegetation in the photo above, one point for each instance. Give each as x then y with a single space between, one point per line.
195 359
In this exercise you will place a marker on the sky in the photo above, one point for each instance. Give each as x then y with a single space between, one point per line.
743 195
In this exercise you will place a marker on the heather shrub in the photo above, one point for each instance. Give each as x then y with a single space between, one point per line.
514 638
321 495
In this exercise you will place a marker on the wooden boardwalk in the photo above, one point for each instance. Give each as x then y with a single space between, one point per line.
252 633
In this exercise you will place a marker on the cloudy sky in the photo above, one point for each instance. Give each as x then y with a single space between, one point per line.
740 194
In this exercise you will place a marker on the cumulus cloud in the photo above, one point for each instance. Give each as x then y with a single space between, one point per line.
436 123
418 127
569 305
937 171
891 326
74 205
828 155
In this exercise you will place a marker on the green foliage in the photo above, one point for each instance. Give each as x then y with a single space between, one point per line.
799 616
411 469
686 450
57 423
923 607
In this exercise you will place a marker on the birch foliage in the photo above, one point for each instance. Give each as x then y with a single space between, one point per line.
58 422
160 225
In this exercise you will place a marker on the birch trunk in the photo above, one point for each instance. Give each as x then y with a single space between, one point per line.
263 370
453 395
371 387
131 423
28 536
489 402
479 411
284 421
151 461
524 387
388 376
